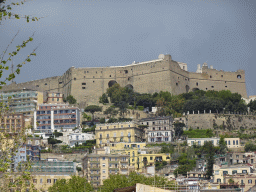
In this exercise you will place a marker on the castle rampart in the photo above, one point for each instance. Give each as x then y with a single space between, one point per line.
162 74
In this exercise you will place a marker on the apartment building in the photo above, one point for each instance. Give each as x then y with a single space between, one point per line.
45 173
117 132
231 142
159 129
97 167
221 171
12 123
22 101
60 117
30 149
54 98
139 155
245 180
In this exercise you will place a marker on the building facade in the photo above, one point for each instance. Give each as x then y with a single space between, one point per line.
98 167
79 138
51 117
231 142
162 74
12 123
117 132
22 101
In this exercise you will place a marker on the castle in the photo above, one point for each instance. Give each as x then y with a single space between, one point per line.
163 74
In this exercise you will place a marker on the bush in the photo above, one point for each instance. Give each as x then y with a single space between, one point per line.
102 120
141 108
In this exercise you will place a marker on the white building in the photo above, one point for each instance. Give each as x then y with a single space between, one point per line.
159 136
231 142
79 138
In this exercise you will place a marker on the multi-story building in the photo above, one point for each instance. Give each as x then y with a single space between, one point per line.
55 98
45 173
60 117
221 171
231 142
139 155
79 138
97 167
30 149
22 101
12 123
245 180
159 129
117 132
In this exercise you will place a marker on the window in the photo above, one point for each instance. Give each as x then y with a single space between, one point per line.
218 180
212 86
49 180
83 87
103 171
192 142
237 156
239 76
166 139
249 181
34 180
234 172
74 79
242 182
41 180
225 172
244 171
103 158
199 143
152 139
196 84
228 142
236 142
210 76
166 133
217 172
54 180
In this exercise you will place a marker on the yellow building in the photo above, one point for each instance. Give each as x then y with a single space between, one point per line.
41 181
117 132
98 166
139 157
221 172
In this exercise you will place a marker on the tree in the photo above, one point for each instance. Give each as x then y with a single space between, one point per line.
92 109
121 181
111 111
104 98
70 99
75 184
53 141
11 142
209 148
178 128
222 145
122 108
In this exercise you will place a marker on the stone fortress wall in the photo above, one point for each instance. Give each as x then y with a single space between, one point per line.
162 74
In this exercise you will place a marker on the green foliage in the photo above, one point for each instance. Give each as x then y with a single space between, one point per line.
209 157
53 141
104 98
93 108
214 101
78 169
160 164
252 105
186 164
75 184
197 133
121 181
91 129
102 120
57 134
88 117
70 99
141 108
111 111
178 128
222 145
249 147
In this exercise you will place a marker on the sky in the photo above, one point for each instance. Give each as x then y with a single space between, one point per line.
100 33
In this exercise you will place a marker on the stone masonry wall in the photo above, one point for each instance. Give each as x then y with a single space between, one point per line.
163 74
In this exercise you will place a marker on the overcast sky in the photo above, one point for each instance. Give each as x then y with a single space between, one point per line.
94 33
